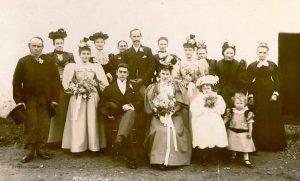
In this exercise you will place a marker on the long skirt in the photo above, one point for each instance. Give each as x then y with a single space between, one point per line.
85 132
156 143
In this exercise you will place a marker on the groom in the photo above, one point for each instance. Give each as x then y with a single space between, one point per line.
128 102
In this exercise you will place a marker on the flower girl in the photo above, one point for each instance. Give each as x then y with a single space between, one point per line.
240 128
208 129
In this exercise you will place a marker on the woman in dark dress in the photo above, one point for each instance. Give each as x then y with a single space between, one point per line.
230 73
268 130
61 59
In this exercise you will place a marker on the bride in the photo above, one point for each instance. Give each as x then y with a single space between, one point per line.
83 80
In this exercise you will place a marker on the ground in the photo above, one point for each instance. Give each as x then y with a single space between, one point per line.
89 166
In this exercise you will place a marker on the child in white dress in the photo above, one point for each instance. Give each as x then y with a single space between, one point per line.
240 128
208 129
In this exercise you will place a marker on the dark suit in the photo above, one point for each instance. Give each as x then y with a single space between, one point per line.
141 64
115 61
36 85
212 66
126 119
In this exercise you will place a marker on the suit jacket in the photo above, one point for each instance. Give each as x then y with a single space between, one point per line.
131 95
67 58
32 79
141 63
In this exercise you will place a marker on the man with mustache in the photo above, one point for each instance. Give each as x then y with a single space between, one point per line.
140 61
141 66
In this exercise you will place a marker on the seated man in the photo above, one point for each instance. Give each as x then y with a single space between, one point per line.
123 101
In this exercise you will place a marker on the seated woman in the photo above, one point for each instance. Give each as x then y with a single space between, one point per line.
168 142
82 130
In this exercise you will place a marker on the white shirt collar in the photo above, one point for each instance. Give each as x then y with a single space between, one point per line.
262 63
136 48
122 85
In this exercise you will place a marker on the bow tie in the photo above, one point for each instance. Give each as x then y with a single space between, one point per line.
262 63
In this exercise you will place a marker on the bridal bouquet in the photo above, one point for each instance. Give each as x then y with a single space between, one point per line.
83 87
164 104
210 100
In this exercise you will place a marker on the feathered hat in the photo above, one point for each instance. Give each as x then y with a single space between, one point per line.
97 35
60 33
190 42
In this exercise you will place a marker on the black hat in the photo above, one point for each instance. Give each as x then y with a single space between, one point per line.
18 114
110 107
60 33
97 35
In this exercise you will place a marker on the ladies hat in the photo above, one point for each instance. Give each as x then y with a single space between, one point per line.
97 35
207 79
60 33
227 45
190 42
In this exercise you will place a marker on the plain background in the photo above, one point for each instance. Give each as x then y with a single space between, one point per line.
244 23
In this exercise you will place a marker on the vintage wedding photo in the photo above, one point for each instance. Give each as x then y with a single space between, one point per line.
104 90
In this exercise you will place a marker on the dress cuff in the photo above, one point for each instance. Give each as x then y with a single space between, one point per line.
276 93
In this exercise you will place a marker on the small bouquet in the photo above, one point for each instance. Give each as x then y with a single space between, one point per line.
83 87
164 104
210 100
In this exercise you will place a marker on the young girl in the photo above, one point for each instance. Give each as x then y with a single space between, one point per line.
208 129
240 128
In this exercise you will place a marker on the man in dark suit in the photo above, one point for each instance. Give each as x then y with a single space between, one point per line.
36 86
126 95
141 66
140 61
118 58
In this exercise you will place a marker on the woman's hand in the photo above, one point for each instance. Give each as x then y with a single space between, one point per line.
249 135
251 101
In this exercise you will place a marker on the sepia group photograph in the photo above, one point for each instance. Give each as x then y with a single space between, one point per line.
103 90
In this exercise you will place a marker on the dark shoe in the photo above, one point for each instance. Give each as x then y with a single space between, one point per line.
248 164
27 158
132 164
44 155
162 167
116 146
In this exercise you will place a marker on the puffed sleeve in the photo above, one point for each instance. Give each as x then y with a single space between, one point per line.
220 105
275 76
68 75
149 96
197 106
101 76
176 71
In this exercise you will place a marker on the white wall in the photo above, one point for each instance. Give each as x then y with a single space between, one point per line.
245 23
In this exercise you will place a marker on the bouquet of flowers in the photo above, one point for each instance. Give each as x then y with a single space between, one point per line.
164 104
83 87
210 100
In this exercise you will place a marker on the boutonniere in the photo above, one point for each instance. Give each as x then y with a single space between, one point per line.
40 60
119 58
145 56
130 86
